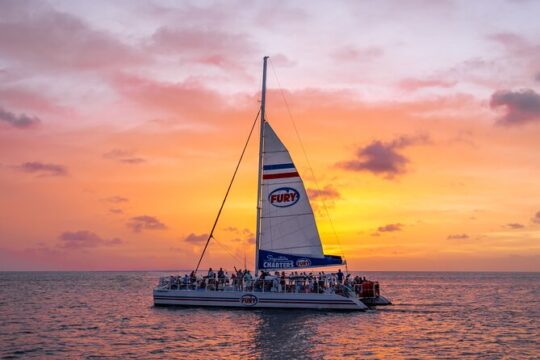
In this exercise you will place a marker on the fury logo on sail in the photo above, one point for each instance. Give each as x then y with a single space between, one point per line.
284 197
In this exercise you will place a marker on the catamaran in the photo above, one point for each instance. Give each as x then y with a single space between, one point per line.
287 239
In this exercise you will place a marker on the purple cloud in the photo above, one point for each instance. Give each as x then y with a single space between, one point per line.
83 239
521 106
196 239
383 158
42 169
536 218
390 228
145 222
458 237
514 226
21 121
327 193
123 156
116 199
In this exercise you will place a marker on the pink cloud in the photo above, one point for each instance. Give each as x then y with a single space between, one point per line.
83 239
326 193
412 84
351 53
34 33
215 47
189 98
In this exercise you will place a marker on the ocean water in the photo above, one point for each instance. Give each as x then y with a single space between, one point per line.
110 315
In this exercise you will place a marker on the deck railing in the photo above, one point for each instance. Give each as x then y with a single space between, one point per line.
291 285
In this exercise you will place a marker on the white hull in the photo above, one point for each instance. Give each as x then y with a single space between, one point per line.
240 299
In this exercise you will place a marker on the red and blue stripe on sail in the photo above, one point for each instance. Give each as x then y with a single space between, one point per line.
279 171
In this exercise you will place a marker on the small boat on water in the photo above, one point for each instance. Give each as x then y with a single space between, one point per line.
287 240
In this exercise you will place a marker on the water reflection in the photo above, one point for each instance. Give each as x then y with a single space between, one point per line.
284 333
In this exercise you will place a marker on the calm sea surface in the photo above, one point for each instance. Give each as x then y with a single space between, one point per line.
110 315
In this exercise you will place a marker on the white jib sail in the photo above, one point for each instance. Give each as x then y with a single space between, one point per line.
287 225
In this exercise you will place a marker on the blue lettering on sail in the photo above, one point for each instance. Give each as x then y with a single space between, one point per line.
284 197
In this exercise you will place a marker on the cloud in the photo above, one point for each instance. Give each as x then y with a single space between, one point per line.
383 158
247 235
123 156
536 218
521 106
34 33
390 228
514 226
537 77
116 199
411 84
196 239
458 237
21 121
204 45
145 222
327 193
42 169
116 211
189 99
84 239
351 53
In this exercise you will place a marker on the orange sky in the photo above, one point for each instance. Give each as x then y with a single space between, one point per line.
117 141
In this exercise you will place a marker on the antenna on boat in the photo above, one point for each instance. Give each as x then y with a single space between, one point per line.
259 178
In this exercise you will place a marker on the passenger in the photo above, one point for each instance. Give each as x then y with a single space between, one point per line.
276 287
282 281
240 279
233 280
210 273
248 280
220 273
339 277
185 281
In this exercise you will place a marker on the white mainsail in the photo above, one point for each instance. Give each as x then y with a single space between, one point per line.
287 224
288 235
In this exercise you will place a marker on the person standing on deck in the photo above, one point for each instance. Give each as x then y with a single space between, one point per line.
339 277
248 280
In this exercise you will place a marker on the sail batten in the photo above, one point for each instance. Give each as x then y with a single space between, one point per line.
289 237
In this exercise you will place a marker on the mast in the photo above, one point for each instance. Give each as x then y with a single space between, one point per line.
259 178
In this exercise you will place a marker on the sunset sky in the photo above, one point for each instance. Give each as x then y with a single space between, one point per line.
121 124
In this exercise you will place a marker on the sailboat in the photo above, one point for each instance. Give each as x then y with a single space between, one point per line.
287 239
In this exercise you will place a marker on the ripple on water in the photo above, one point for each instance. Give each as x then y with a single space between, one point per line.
96 315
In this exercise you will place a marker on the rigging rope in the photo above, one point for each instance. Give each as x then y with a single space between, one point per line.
308 163
211 235
227 250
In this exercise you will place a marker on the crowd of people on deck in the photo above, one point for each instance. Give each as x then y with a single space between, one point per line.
296 282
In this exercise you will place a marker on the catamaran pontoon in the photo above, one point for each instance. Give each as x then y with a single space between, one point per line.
286 239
